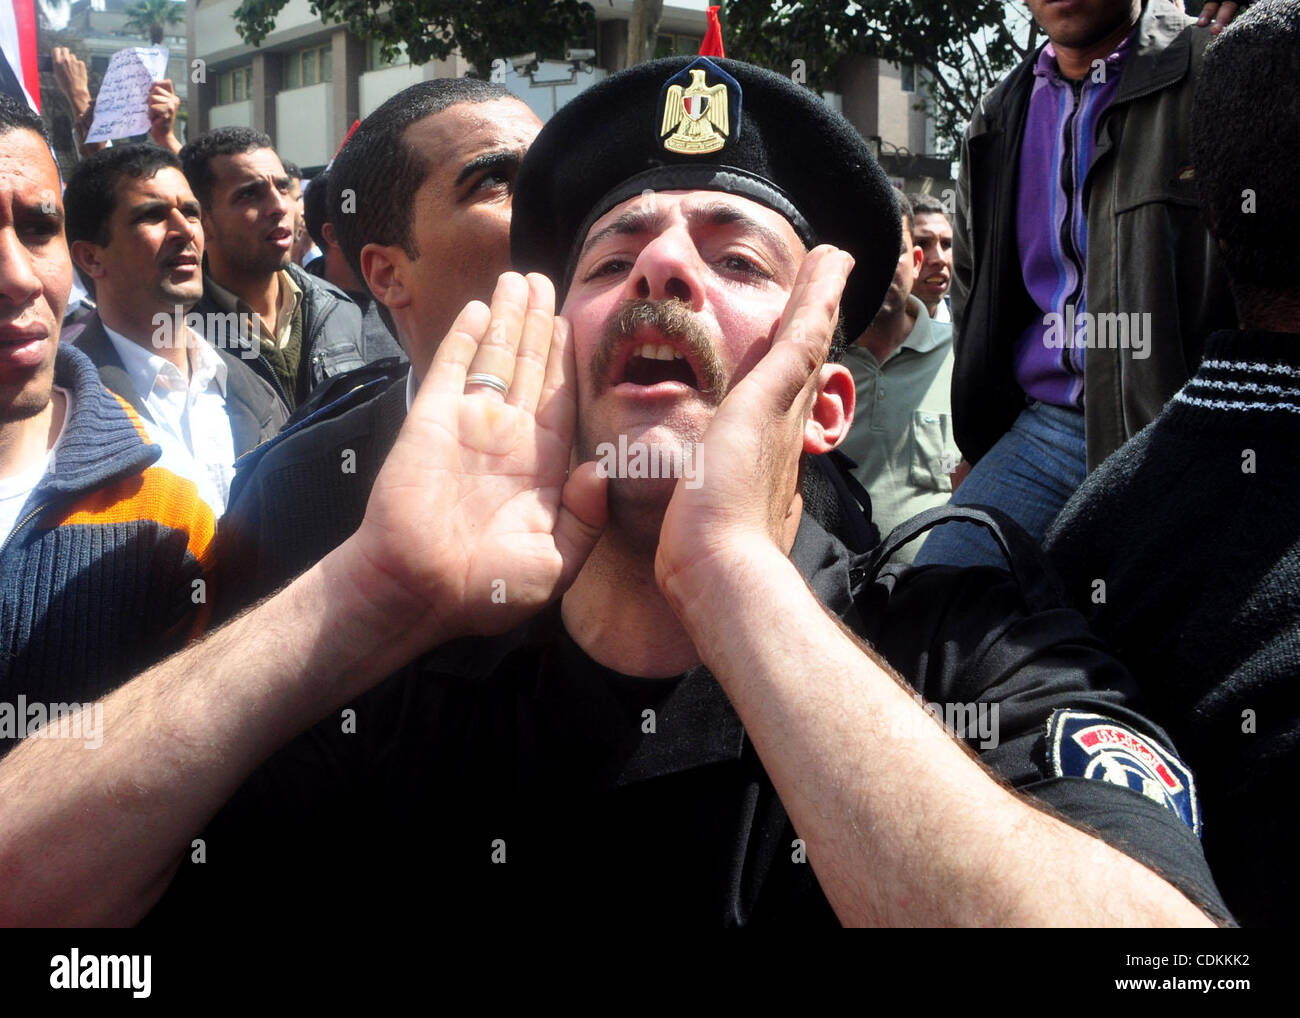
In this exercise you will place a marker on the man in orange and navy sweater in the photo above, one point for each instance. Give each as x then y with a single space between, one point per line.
103 555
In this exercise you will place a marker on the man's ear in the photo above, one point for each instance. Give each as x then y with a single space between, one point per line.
832 410
88 257
918 259
327 234
385 269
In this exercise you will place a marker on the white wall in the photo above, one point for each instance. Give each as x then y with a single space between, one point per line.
302 124
376 87
550 87
238 114
214 23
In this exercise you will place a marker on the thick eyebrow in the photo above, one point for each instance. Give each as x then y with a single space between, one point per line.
39 212
630 223
148 208
504 160
722 214
255 182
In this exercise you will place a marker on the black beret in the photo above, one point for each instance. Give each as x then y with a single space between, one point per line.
687 123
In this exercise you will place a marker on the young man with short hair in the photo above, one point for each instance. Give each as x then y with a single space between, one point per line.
377 341
134 230
308 331
932 233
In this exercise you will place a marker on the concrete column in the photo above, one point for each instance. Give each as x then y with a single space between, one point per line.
200 95
267 79
349 56
611 44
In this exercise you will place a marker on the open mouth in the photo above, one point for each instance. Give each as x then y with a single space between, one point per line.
652 364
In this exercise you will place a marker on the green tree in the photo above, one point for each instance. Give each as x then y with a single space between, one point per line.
151 17
963 47
482 30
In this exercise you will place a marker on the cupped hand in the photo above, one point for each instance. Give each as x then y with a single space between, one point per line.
475 522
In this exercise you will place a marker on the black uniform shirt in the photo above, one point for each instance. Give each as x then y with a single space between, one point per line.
516 780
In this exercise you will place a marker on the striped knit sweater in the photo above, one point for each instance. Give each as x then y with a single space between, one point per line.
1194 529
98 577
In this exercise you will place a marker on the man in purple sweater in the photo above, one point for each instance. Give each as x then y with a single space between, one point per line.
1084 279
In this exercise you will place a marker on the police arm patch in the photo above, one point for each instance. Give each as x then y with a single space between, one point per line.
1092 746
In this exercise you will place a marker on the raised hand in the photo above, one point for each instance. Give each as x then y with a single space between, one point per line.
749 459
474 522
163 105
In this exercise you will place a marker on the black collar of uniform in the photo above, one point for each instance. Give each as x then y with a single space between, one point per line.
695 724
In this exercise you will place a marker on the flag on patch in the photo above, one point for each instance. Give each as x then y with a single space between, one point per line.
19 76
712 44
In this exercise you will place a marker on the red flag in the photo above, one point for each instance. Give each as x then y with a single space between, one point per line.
19 75
351 131
712 44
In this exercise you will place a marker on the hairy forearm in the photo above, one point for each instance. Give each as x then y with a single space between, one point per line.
901 825
93 836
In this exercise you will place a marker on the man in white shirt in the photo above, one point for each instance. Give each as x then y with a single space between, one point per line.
134 231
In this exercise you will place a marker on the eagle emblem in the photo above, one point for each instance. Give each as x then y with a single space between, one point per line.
696 115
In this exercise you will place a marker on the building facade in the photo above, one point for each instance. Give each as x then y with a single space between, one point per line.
308 81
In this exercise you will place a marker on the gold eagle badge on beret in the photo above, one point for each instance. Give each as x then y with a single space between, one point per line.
699 115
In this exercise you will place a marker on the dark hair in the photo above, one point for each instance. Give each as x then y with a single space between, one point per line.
91 194
315 207
18 116
197 156
383 172
290 168
926 205
905 211
1245 134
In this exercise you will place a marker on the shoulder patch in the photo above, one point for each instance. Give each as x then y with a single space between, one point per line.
1081 745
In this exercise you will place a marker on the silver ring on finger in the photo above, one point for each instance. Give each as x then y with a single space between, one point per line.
491 381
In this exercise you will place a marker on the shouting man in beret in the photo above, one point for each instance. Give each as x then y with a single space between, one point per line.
689 709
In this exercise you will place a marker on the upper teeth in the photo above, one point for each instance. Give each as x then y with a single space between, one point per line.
661 352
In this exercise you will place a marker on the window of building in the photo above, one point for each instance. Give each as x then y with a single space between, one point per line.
309 66
235 85
99 65
677 46
375 59
908 77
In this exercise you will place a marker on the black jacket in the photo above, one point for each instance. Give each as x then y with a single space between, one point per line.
1148 248
256 412
331 335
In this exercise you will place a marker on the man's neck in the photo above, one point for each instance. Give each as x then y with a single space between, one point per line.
886 333
617 614
260 292
338 272
23 444
136 323
1076 64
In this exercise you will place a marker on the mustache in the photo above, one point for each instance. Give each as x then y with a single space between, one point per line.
675 320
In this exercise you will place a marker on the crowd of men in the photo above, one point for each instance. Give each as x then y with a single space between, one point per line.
656 513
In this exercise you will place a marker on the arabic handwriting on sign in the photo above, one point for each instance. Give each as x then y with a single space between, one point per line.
121 108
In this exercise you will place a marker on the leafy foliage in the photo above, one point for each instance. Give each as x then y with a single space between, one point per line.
963 46
151 17
483 30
